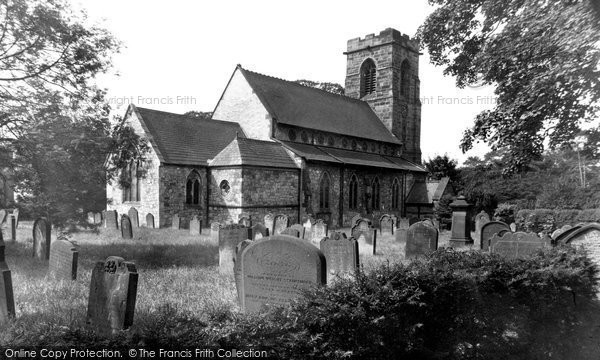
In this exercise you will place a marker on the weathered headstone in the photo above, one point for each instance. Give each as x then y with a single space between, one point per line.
245 219
516 245
237 268
560 231
269 222
281 223
278 269
97 218
480 219
341 257
41 239
403 223
150 221
126 227
12 224
488 230
195 226
215 228
175 222
7 302
113 291
300 230
421 239
513 227
355 219
229 237
387 225
290 232
63 260
110 220
363 230
134 217
318 232
259 231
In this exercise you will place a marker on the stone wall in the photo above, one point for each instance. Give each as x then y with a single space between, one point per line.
173 180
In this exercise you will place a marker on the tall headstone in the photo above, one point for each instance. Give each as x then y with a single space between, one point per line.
421 239
480 219
150 221
63 260
300 230
386 224
134 217
461 224
113 292
7 302
41 239
259 231
126 227
245 219
195 226
290 232
16 216
278 269
229 237
176 222
12 223
97 218
215 228
281 222
318 232
517 245
269 222
488 230
341 257
111 220
237 268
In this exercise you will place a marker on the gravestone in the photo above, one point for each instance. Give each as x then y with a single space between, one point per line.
559 239
480 219
290 232
63 260
586 237
363 230
318 232
355 219
278 269
90 218
461 223
215 228
97 218
404 223
300 229
341 257
394 221
488 230
560 231
401 235
134 217
113 291
513 227
16 216
12 224
516 245
7 301
387 225
269 222
428 222
110 220
421 239
259 231
41 239
237 268
195 226
229 237
126 228
308 224
280 223
2 216
245 219
176 222
150 221
413 220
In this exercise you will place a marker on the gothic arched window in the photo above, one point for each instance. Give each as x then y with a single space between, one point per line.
368 77
396 194
324 192
192 189
375 203
132 191
353 193
404 78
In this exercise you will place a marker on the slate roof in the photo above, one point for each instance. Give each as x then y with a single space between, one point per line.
250 152
184 140
294 104
418 194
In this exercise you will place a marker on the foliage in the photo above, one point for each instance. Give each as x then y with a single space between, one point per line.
205 115
548 220
542 58
442 166
325 86
443 211
505 213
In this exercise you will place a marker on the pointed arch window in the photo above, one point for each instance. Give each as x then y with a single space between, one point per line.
132 191
375 198
324 187
192 189
404 78
368 77
353 193
395 194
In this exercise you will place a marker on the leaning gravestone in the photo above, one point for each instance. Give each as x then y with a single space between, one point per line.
111 220
259 231
269 222
150 221
175 222
126 228
195 226
133 216
278 269
280 223
229 237
7 302
341 257
41 239
63 260
300 229
237 268
97 218
488 230
516 245
387 225
318 232
480 219
290 232
113 291
421 239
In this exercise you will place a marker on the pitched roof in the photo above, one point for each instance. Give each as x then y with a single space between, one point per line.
180 139
294 104
418 194
243 151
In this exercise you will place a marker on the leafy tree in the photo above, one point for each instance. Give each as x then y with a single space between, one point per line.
326 86
442 166
542 58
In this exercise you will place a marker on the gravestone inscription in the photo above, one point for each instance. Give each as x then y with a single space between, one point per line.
41 239
421 239
63 260
341 257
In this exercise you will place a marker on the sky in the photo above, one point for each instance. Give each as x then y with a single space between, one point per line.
178 55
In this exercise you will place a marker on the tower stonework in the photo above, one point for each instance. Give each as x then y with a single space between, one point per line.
395 96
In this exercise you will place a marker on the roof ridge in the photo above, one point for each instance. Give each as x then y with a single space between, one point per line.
185 116
304 86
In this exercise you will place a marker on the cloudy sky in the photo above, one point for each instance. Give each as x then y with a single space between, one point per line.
178 55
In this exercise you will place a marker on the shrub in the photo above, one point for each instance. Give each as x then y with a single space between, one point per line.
505 212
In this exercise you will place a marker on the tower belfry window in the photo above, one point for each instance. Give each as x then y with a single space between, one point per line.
368 78
404 78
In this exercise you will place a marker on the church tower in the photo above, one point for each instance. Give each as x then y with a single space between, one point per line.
383 70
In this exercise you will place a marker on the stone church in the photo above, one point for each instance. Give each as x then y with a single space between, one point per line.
274 146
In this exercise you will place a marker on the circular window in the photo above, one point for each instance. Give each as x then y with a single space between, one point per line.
225 188
320 139
304 136
292 135
345 143
330 141
354 144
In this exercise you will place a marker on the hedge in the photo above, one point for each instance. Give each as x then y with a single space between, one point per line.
547 220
